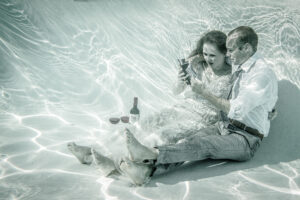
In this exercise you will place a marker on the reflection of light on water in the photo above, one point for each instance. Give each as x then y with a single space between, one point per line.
187 190
67 172
17 168
221 163
35 171
140 196
235 191
294 189
49 113
106 182
34 140
95 60
292 183
185 195
38 132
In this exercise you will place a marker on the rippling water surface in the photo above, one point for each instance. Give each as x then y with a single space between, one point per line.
67 66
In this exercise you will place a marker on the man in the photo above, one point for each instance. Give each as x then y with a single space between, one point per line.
244 116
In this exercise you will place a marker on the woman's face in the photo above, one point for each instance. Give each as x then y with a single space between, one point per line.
213 57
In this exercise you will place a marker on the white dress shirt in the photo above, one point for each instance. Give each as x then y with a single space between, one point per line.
254 94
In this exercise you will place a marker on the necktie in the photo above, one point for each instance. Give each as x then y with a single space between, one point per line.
233 78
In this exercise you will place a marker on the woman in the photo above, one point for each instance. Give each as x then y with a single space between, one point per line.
207 63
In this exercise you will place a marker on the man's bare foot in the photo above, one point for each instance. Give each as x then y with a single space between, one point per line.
138 173
106 165
138 152
82 153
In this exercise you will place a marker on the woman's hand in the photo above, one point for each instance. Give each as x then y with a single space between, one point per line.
180 84
182 76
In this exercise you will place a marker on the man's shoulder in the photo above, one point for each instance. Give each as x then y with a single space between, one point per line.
261 64
263 72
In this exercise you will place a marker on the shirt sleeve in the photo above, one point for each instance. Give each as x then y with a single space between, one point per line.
256 91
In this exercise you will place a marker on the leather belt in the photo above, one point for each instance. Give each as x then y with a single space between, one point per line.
250 130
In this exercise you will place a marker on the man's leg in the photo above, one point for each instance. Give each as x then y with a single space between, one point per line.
163 168
137 151
197 147
232 146
141 153
200 147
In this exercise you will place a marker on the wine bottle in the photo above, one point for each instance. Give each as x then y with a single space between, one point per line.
134 111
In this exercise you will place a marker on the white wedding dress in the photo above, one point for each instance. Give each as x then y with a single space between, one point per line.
191 114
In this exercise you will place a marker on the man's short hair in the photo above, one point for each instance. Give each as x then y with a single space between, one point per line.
245 35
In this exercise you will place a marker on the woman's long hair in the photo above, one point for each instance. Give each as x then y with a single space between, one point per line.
217 38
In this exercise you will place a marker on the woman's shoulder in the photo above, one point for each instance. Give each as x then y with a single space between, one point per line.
226 73
195 60
225 77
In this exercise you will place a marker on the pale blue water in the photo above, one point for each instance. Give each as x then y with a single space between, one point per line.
67 66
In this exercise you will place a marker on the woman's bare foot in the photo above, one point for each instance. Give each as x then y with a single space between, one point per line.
106 165
82 153
138 173
138 152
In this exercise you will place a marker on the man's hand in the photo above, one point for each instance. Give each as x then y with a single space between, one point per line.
220 103
272 115
198 87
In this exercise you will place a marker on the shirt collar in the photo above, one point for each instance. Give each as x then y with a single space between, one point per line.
248 64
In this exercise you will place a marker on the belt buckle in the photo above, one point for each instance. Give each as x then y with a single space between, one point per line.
231 127
245 127
241 125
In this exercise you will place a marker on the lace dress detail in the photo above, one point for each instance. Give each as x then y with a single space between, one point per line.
192 113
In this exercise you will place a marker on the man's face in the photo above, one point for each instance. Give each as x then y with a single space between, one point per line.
236 54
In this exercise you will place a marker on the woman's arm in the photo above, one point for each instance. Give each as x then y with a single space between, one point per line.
218 102
180 84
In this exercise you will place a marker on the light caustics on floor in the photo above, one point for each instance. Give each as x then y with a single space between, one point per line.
67 66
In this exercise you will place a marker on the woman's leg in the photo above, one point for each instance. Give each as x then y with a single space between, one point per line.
105 164
82 153
87 155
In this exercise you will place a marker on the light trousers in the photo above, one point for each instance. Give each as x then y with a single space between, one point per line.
207 143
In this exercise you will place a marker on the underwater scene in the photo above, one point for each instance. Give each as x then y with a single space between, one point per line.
67 67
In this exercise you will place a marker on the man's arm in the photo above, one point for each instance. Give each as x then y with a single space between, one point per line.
219 103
